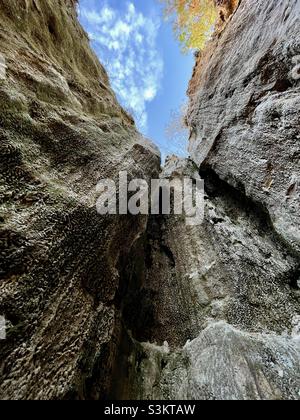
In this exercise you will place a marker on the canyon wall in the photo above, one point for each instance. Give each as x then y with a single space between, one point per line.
61 131
245 108
148 307
223 297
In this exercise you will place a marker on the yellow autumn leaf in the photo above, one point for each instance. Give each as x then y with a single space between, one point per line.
194 21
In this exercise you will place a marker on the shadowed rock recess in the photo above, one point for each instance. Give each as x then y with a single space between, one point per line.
148 307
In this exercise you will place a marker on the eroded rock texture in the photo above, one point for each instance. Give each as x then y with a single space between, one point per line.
61 131
229 289
130 307
245 109
222 363
231 285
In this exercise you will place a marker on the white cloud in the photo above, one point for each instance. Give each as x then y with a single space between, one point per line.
93 17
127 44
150 93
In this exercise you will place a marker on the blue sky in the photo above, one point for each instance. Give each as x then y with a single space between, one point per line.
146 67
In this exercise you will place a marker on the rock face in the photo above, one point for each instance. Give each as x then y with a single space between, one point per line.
61 131
231 286
245 109
221 303
222 363
136 307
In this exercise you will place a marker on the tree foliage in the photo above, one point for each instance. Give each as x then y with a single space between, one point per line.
177 130
194 21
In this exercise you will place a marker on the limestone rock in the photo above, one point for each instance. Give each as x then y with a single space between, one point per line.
245 109
137 307
229 288
224 363
61 131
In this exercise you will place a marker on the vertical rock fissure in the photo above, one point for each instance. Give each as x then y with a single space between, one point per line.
149 360
129 307
230 312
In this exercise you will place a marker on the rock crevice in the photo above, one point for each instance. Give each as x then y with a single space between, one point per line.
234 294
144 307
